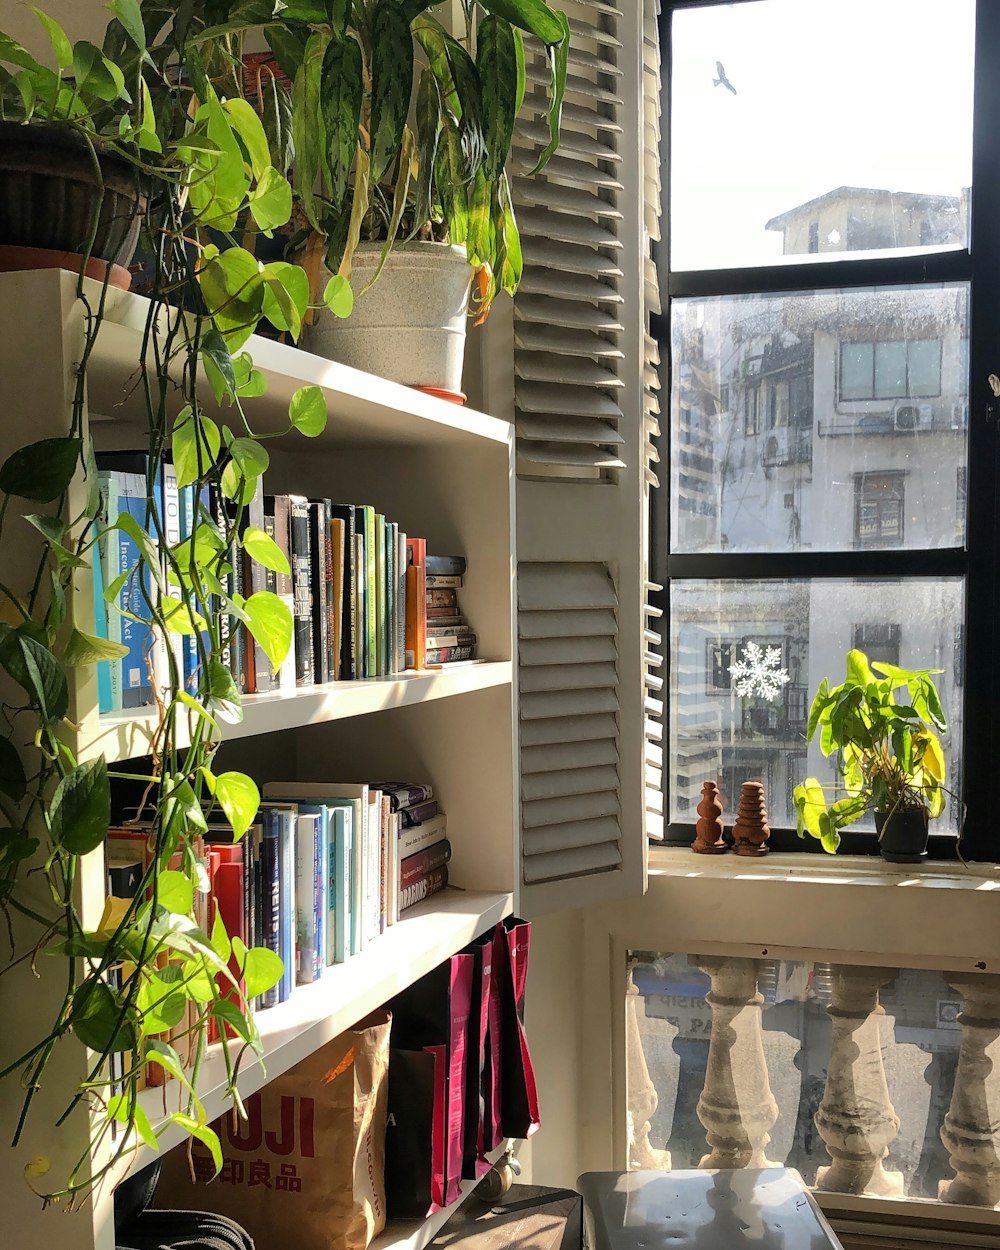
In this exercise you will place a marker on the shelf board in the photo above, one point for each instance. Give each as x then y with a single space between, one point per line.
429 933
123 735
415 1234
364 410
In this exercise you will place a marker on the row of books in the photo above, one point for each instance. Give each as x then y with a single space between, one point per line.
325 869
366 599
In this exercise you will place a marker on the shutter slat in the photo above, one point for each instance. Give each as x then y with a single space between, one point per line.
581 833
585 30
544 338
564 455
568 677
580 58
530 134
537 74
570 807
577 862
569 729
571 257
565 314
569 782
574 173
569 286
560 755
566 430
570 400
551 587
581 115
539 706
564 199
570 623
548 225
546 367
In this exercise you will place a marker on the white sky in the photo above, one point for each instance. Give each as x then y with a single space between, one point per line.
873 93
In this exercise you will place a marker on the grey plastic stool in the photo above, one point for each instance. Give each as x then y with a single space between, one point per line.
746 1209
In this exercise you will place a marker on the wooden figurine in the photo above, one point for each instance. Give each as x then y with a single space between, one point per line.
709 827
751 831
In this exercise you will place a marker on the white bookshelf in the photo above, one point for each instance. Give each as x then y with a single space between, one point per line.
443 472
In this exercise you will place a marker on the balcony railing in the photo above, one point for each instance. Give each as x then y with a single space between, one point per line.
843 1133
905 417
787 445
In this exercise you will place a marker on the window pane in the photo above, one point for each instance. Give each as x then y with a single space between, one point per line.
777 468
803 630
827 127
856 370
890 370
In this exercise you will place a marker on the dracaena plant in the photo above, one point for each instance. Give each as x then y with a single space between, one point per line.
360 171
146 985
881 726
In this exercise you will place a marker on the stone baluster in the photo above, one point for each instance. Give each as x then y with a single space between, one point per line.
736 1105
971 1130
642 1096
856 1118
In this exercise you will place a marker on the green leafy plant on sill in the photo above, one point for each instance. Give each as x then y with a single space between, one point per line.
886 746
360 171
147 983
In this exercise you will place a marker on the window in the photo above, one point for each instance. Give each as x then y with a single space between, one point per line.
844 522
879 641
878 510
890 370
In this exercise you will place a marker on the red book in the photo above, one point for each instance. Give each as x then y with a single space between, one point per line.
229 900
423 862
423 887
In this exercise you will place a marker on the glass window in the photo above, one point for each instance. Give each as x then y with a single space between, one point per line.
890 371
878 509
827 127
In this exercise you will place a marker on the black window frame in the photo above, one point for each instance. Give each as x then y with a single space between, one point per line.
978 561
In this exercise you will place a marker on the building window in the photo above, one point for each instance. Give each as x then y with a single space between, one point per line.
808 532
879 641
890 370
878 509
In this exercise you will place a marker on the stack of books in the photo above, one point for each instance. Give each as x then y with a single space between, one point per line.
449 635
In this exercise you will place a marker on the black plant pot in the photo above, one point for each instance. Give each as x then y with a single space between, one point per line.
50 194
903 835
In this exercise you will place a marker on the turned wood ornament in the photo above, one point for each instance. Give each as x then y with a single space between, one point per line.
751 831
709 827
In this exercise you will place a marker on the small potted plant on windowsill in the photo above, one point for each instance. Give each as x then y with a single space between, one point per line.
883 728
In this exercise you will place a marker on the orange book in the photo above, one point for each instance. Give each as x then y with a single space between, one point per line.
416 617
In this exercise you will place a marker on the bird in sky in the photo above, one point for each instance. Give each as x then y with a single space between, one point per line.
722 80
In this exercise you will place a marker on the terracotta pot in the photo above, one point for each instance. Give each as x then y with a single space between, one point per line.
410 326
17 259
902 834
50 194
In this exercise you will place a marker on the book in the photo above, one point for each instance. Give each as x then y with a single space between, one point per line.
171 525
133 597
344 512
444 566
108 671
256 578
423 888
362 608
278 508
413 838
437 581
447 655
442 599
450 638
400 602
269 897
337 554
381 605
372 869
366 525
306 832
419 865
415 813
319 555
301 562
416 618
404 793
338 911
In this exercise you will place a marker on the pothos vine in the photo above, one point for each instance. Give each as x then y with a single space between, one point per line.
147 971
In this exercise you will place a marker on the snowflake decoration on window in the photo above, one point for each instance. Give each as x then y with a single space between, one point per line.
757 672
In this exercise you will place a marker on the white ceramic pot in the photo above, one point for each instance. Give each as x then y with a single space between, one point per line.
410 327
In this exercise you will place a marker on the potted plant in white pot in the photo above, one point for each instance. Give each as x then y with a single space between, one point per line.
426 210
882 727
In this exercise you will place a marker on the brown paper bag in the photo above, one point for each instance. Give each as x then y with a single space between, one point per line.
309 1158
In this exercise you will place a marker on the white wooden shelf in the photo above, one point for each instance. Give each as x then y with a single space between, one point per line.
426 935
365 411
124 735
415 1234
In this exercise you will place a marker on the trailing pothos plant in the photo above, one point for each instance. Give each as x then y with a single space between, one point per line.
152 979
357 68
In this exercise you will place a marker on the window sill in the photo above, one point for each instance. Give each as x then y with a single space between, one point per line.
788 906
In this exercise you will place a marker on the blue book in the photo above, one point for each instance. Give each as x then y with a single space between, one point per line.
311 875
137 635
270 896
190 516
339 910
105 692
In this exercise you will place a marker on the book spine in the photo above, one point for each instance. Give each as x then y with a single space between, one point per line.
321 877
447 655
380 596
256 578
405 794
444 566
361 660
335 819
371 602
415 813
337 595
329 580
280 508
108 671
423 888
400 601
344 512
416 866
437 641
270 913
391 531
172 534
438 581
442 599
137 685
319 544
301 563
416 618
305 892
414 838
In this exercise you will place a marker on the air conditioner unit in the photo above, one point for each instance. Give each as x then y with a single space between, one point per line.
909 417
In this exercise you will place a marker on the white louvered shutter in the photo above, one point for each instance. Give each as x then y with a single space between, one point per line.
583 404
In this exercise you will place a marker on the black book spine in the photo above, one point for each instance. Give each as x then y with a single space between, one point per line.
301 561
319 540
